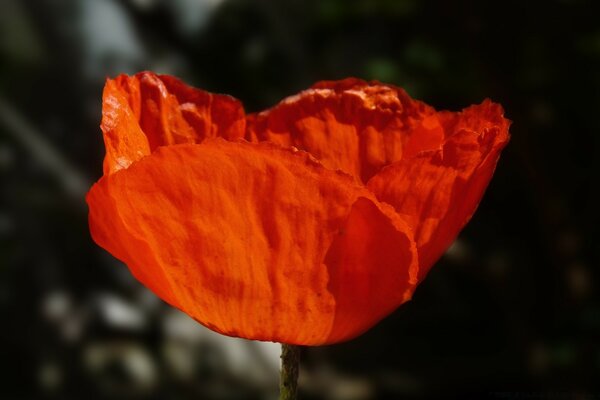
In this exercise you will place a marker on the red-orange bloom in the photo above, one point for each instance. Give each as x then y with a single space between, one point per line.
304 224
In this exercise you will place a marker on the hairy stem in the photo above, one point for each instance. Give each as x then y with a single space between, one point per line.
288 379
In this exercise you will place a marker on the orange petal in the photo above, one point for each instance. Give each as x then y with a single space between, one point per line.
372 269
124 140
351 125
256 241
144 111
437 192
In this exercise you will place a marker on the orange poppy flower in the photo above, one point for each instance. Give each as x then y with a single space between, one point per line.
304 224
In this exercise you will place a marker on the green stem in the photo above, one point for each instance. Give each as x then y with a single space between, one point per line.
288 379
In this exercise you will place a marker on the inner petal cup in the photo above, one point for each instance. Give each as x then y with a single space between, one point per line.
351 125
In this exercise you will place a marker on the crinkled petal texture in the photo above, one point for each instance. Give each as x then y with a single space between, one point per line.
350 125
256 241
145 111
432 167
312 229
437 191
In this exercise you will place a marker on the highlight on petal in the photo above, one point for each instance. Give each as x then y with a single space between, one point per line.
124 140
351 125
145 111
437 191
256 241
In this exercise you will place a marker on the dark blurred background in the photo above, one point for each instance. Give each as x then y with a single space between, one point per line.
511 311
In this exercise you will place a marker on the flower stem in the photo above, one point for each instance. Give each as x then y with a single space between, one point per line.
288 378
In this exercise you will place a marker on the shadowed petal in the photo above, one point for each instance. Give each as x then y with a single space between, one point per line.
256 241
351 125
437 192
373 268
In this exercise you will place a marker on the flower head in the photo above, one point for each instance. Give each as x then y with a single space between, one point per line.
304 224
